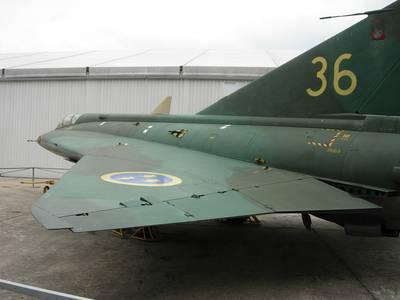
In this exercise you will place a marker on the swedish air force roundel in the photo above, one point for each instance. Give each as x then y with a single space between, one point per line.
142 179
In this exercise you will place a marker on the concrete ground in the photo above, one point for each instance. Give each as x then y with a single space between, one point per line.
277 260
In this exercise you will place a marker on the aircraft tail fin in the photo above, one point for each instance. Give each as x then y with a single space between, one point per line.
356 71
164 107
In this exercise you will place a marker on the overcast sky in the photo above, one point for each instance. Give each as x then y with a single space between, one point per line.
66 25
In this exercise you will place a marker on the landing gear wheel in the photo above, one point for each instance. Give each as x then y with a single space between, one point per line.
253 220
242 220
45 189
148 234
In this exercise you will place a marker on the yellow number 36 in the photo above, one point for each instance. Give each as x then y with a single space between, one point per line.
337 75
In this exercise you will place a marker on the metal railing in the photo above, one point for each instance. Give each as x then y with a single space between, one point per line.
37 292
16 173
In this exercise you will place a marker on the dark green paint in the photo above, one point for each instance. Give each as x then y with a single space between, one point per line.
376 63
268 148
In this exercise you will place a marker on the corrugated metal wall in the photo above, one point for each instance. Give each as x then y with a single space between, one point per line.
30 108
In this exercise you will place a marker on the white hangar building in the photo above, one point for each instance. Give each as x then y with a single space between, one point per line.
38 89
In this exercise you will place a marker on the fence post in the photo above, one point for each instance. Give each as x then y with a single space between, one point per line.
33 177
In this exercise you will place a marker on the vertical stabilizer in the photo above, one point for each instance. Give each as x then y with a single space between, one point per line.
356 71
164 108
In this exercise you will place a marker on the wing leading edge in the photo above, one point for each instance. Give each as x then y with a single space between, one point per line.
132 186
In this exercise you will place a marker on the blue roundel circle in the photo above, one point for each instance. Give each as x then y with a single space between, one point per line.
142 179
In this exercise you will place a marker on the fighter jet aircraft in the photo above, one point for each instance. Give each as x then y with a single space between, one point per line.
318 136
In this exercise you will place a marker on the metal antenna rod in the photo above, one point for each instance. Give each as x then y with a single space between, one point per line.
368 13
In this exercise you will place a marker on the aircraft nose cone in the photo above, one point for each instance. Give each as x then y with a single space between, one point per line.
44 140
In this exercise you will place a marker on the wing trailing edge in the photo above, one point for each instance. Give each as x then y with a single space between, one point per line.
89 198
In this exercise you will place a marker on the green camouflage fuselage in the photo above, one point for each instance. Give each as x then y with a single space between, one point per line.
359 154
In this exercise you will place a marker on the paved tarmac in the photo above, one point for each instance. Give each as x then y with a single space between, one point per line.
278 259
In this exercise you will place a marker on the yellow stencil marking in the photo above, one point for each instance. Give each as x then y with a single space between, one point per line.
345 136
338 74
340 134
321 76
